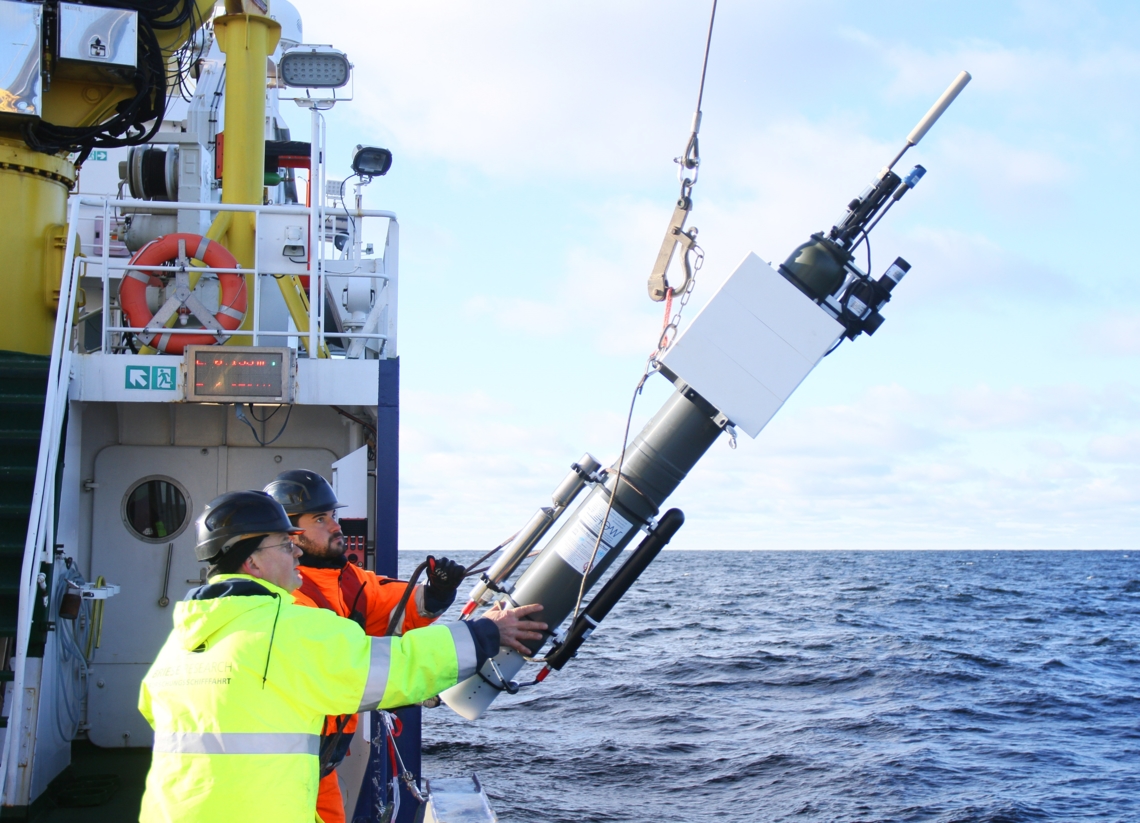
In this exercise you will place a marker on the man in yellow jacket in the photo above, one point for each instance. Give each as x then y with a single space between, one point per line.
239 692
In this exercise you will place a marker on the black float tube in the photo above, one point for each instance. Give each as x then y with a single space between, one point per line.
615 588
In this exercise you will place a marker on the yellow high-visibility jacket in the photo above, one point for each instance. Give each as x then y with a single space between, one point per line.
239 693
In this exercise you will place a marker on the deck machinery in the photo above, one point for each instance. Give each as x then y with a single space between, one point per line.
196 308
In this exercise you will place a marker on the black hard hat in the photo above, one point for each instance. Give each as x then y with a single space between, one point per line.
300 491
233 517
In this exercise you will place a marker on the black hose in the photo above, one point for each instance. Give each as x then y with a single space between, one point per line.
397 617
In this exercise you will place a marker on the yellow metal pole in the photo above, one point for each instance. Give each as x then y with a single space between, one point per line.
247 41
33 200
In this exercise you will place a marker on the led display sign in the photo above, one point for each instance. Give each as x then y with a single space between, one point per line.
229 374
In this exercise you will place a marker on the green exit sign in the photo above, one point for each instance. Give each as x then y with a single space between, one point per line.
150 377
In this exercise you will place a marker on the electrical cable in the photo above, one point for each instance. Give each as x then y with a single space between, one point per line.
241 416
72 669
472 571
355 419
867 230
136 120
613 494
691 160
397 616
344 205
267 417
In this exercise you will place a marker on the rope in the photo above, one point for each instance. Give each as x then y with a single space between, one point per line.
395 728
705 64
690 160
668 313
613 494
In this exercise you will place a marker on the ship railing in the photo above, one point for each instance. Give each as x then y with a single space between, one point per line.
377 328
40 541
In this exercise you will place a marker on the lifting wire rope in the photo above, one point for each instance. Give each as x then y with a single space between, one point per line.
692 258
689 161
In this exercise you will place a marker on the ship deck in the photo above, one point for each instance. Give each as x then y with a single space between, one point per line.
100 785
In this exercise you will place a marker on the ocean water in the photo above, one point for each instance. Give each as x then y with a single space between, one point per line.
831 686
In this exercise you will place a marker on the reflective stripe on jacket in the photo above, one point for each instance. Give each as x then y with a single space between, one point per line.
240 690
366 598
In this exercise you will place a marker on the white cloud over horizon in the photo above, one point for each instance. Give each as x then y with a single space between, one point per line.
996 408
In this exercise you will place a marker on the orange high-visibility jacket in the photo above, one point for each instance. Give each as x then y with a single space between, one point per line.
363 596
369 599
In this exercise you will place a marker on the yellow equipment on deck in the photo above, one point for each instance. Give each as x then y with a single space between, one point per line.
34 185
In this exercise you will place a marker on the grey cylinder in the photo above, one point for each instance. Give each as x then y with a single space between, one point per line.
655 464
535 529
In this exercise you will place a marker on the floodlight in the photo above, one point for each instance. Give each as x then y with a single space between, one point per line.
370 161
314 67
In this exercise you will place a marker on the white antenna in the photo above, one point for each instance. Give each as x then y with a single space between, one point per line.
930 118
936 110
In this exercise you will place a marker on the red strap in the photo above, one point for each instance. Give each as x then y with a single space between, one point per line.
392 757
668 317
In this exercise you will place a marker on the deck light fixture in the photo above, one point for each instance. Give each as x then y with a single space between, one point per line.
371 161
315 67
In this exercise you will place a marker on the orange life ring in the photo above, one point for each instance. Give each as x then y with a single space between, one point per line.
163 250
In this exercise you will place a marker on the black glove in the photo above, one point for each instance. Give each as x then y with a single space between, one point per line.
443 578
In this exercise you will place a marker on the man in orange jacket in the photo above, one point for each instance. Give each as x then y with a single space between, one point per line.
329 581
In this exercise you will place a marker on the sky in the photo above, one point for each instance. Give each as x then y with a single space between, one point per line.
997 406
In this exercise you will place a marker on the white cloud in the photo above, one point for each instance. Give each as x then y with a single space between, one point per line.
577 108
1048 76
514 88
1116 448
861 475
1117 333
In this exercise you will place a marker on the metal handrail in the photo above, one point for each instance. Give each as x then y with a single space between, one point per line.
317 263
40 539
179 205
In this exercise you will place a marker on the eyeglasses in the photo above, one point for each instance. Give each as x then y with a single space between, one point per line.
287 546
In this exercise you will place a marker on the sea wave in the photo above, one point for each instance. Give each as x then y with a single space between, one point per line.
949 687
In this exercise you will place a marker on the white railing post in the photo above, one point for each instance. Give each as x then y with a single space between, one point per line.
392 269
316 231
256 277
105 343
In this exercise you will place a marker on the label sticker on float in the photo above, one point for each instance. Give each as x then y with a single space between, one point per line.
583 535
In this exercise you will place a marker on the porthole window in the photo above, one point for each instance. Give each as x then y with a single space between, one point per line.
156 509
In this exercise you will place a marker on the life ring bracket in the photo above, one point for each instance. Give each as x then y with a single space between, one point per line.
157 256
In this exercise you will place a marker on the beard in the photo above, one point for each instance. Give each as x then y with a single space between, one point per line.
334 547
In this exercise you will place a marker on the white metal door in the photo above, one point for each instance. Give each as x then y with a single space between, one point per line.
134 623
138 620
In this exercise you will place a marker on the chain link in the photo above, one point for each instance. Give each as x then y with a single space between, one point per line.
673 323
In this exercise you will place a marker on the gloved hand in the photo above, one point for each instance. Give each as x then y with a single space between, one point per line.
443 579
